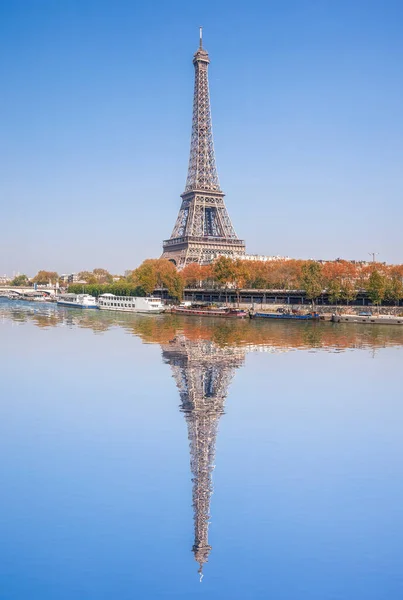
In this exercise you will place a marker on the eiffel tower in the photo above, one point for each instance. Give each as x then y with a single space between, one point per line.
202 371
203 228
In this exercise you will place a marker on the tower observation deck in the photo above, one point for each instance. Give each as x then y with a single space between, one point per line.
203 228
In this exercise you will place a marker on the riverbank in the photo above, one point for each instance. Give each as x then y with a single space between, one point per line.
325 310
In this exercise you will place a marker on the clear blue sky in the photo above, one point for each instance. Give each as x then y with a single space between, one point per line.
95 124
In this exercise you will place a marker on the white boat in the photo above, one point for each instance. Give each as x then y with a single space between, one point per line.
77 301
130 303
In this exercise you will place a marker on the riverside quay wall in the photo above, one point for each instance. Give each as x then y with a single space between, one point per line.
265 298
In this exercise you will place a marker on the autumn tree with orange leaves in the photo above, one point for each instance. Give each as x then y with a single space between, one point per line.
44 277
195 275
341 280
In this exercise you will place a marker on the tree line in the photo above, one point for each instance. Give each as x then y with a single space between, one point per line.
341 280
227 332
152 274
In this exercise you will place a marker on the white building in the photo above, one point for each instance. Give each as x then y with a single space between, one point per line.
253 257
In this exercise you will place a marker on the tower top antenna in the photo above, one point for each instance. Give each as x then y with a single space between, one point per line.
201 37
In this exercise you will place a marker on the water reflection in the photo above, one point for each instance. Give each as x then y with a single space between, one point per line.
202 371
255 335
203 355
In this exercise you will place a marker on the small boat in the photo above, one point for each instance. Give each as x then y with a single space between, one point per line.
137 304
77 301
285 316
209 311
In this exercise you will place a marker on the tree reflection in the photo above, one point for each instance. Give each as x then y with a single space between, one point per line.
253 335
203 355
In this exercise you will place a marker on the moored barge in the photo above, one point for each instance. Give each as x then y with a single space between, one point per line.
285 316
207 311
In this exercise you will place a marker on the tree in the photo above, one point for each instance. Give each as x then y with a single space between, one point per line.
174 283
340 278
311 280
239 276
20 280
192 275
87 276
394 288
227 271
376 287
96 276
146 276
348 291
257 274
224 270
156 273
287 274
102 276
44 277
334 291
118 288
275 274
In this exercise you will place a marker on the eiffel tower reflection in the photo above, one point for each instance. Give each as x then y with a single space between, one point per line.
202 371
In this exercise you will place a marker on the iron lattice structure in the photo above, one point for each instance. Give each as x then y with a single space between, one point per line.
203 228
202 372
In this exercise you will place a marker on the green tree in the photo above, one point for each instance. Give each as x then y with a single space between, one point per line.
118 288
311 280
20 280
224 270
394 289
348 291
376 287
334 291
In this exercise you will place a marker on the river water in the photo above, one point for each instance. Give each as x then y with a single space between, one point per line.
176 457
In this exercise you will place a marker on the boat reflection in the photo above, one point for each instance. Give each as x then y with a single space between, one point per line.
203 356
259 335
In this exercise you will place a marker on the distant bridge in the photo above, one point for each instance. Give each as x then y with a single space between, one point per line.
25 291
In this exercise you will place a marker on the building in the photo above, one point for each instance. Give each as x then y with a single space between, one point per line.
71 278
203 227
254 257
